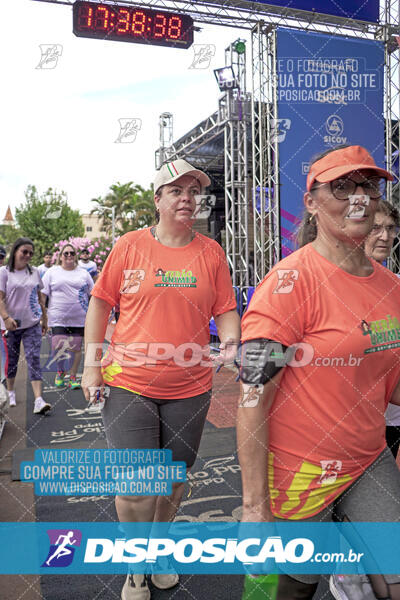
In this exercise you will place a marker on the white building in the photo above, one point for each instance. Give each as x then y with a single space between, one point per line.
93 225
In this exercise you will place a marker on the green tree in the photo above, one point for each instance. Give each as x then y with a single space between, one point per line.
142 213
134 207
46 219
8 235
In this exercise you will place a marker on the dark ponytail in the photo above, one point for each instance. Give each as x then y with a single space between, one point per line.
307 230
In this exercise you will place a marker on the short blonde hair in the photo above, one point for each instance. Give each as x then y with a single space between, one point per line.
62 250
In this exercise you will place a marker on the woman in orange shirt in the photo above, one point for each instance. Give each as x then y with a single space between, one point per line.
320 412
168 281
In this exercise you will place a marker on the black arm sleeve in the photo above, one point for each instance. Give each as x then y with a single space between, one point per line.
260 359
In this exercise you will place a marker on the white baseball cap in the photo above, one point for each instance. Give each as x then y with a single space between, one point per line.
173 170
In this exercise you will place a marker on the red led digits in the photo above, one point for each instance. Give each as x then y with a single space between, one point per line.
160 26
128 24
124 17
138 23
85 15
175 28
102 13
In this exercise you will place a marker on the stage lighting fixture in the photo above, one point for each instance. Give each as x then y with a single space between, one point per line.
240 47
226 78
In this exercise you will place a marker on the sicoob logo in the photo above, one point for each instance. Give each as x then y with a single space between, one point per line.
62 547
334 127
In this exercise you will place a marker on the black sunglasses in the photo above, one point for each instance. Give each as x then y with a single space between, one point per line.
27 252
69 253
344 187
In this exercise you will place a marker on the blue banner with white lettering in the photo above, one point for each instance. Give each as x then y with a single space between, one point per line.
226 548
330 92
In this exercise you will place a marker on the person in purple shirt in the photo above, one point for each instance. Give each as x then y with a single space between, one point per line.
23 318
67 287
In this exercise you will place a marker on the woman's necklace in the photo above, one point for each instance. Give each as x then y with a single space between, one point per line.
155 235
154 231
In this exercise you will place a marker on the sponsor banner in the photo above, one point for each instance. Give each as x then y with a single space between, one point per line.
103 472
349 9
199 548
330 92
368 10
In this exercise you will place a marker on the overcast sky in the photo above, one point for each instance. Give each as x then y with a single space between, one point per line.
59 126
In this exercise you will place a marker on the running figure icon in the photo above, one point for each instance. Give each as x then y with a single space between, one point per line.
62 549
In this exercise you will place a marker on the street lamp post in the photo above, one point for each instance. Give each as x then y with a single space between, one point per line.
113 224
112 221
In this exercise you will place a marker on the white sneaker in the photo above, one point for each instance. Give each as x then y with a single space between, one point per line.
165 581
351 587
11 399
41 407
135 588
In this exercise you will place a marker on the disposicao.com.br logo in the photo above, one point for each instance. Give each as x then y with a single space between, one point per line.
200 547
236 550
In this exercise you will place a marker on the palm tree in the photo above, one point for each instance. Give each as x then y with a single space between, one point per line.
141 208
134 207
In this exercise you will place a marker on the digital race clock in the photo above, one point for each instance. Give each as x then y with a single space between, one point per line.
129 24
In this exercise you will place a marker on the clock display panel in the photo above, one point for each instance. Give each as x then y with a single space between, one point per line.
130 24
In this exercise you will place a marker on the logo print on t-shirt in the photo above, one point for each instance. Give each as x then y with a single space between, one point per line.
365 328
330 471
384 334
286 280
133 279
83 296
34 303
181 278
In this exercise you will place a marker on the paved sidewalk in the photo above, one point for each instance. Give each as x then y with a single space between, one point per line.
17 498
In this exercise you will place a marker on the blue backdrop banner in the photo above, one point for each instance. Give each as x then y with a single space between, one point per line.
330 92
368 10
350 9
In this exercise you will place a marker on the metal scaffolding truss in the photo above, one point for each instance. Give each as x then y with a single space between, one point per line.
245 14
230 128
390 33
203 147
166 128
265 171
193 144
237 189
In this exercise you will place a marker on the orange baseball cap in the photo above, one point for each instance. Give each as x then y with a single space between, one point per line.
343 161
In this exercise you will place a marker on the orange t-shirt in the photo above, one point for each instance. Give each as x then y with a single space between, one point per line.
326 424
167 296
